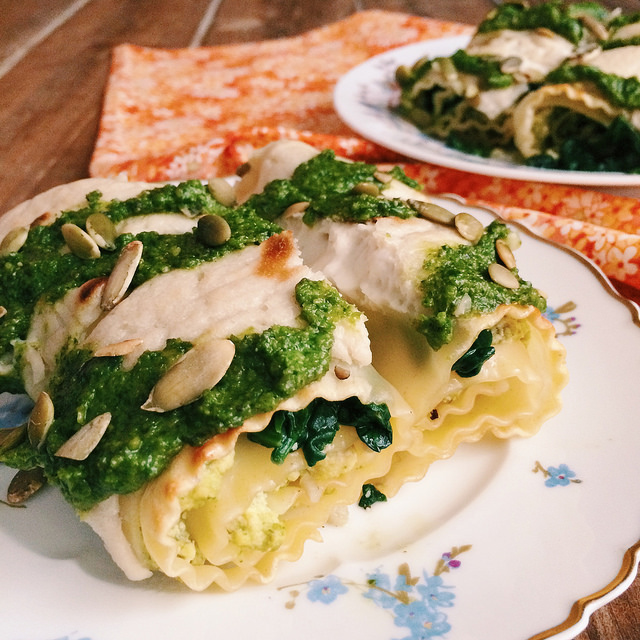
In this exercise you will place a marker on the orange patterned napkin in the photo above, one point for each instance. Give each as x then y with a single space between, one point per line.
200 112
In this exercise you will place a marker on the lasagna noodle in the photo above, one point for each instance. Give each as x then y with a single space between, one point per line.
516 391
457 105
225 514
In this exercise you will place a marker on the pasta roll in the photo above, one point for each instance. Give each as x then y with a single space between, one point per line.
206 401
587 114
553 85
432 306
467 99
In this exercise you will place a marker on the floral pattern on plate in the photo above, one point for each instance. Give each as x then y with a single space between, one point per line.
417 603
565 325
559 476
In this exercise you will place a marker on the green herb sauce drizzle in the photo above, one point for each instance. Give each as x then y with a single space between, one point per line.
456 272
486 68
329 186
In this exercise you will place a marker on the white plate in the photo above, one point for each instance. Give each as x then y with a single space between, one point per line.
529 545
364 95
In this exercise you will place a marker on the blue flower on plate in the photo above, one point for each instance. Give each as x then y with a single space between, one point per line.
559 476
422 621
416 602
326 589
14 409
435 592
416 616
380 591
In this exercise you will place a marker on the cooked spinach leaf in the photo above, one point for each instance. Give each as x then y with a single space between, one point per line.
470 364
313 428
370 495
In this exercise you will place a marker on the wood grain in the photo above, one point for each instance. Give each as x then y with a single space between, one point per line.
52 85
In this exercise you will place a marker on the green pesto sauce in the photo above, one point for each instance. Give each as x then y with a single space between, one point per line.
614 44
486 68
138 445
328 185
454 272
555 16
622 92
44 269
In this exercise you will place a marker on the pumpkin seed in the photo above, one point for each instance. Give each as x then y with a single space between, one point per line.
595 26
587 48
80 242
222 191
511 64
471 91
366 188
102 230
544 31
118 348
382 176
469 227
200 369
448 68
14 240
403 74
243 169
121 275
505 254
432 212
9 438
84 441
502 276
342 373
24 484
213 230
420 62
296 208
40 420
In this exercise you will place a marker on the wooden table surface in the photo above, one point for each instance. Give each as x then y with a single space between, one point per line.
54 61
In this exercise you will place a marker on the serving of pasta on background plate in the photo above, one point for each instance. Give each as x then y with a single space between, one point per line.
555 85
